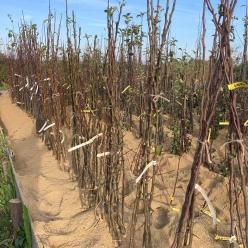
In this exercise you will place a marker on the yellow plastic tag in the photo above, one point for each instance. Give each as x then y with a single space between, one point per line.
237 85
246 124
143 114
177 210
86 111
209 134
224 123
125 89
205 211
223 238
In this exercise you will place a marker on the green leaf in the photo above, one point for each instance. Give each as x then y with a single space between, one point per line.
5 242
158 150
27 227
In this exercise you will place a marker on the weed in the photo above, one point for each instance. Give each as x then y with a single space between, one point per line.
4 86
180 143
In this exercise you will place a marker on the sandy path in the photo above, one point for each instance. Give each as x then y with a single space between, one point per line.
52 198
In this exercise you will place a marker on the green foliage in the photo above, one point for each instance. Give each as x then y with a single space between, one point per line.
175 146
27 228
179 142
7 192
110 10
181 90
3 72
158 150
4 86
224 165
224 170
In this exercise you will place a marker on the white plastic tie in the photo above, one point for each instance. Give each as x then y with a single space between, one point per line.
33 86
27 84
63 137
36 90
85 143
152 163
205 144
233 239
49 126
104 154
43 126
156 97
210 205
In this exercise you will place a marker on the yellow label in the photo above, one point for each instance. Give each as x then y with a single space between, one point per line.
208 213
177 210
223 238
224 123
86 111
237 85
125 89
209 134
143 114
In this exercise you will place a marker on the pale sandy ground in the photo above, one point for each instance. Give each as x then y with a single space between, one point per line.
216 187
53 199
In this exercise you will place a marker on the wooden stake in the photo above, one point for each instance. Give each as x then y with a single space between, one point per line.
16 214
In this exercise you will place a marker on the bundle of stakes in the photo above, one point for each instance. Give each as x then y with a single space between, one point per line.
220 75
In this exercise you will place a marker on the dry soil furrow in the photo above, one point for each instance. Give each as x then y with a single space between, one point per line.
51 196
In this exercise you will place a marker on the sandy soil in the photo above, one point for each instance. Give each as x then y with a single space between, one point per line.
53 199
216 187
49 193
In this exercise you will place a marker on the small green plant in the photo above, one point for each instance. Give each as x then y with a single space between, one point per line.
3 86
181 142
223 166
224 171
175 146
